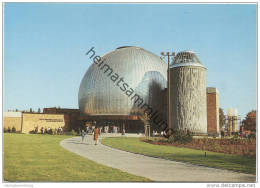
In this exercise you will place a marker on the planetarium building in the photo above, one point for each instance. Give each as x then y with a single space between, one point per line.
126 89
121 85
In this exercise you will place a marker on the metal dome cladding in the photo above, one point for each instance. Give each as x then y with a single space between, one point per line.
109 85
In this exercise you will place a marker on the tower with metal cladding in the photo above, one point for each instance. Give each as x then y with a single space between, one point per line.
188 93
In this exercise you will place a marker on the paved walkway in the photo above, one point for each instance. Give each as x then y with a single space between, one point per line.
153 168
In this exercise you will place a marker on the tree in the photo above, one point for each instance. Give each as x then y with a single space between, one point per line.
146 120
221 118
31 110
39 110
249 123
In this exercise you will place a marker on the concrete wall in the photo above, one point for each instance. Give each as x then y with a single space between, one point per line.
32 120
26 122
188 99
213 110
73 116
13 119
13 122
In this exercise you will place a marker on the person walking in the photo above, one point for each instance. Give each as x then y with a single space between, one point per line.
96 133
123 131
100 130
83 135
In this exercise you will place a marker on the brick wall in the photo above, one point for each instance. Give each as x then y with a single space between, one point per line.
212 111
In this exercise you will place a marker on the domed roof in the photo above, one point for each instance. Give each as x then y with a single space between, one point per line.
186 58
139 70
129 47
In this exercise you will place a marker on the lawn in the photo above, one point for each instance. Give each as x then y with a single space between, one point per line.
40 158
218 160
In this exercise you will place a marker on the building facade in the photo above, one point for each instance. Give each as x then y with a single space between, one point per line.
53 118
13 120
213 111
188 100
123 85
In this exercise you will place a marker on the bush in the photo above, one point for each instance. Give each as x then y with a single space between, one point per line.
235 140
5 130
73 132
32 132
180 136
251 136
8 129
171 139
169 132
235 135
79 131
13 130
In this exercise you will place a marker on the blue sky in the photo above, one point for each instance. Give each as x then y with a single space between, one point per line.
45 43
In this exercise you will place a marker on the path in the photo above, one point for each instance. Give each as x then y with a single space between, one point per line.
153 168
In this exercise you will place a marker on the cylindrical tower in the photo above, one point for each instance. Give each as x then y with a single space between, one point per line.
232 120
188 93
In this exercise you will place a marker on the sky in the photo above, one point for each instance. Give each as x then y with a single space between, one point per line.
45 46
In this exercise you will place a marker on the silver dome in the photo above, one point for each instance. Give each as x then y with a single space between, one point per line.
186 58
141 70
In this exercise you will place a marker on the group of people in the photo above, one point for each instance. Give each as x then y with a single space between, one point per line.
170 132
96 133
49 130
155 133
110 129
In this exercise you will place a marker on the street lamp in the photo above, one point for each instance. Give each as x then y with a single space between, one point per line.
168 54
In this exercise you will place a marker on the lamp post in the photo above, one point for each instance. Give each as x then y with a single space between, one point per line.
168 84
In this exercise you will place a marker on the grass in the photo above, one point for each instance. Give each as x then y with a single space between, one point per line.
217 160
40 158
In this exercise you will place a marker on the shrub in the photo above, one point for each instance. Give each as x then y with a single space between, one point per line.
215 146
13 130
169 132
8 130
73 132
235 140
236 135
205 141
171 139
36 130
252 136
32 132
79 131
180 136
5 130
